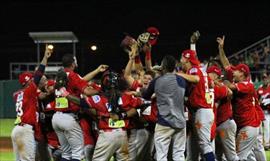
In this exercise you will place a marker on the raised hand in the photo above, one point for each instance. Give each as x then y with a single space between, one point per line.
48 51
221 41
103 68
194 37
134 51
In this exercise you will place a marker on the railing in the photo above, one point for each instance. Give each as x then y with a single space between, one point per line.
16 68
252 47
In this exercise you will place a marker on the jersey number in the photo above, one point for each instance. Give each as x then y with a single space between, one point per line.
19 104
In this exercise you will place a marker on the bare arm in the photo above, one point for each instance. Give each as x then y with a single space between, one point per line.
230 85
130 113
193 40
127 74
190 78
78 101
92 74
148 60
88 91
41 68
224 60
47 54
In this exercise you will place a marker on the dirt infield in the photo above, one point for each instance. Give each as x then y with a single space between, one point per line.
5 144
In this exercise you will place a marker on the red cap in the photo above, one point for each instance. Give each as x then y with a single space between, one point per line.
214 69
191 56
243 68
50 82
25 77
153 35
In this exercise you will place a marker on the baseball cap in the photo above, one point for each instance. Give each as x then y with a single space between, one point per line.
154 32
191 56
214 69
50 82
25 77
243 68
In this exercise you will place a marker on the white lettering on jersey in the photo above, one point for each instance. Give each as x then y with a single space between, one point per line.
193 70
147 111
120 101
19 104
96 98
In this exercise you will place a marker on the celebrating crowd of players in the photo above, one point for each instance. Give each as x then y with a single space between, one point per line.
144 113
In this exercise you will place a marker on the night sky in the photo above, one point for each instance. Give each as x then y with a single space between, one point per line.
105 23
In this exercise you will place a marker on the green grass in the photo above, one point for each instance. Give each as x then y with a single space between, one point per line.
267 155
7 156
6 126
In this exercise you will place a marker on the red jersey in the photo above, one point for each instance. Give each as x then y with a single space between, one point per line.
26 105
88 136
136 86
243 103
52 140
101 104
264 97
201 94
75 86
150 113
95 86
224 108
258 108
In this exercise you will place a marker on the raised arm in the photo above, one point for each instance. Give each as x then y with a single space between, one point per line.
93 73
189 77
41 68
193 40
148 59
224 60
127 74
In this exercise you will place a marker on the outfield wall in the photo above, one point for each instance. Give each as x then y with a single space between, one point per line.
7 106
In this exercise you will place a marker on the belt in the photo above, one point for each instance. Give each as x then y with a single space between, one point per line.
67 112
111 130
230 118
64 112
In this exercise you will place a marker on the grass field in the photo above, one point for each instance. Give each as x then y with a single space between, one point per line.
6 126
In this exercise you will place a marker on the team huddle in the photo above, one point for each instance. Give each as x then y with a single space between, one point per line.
177 111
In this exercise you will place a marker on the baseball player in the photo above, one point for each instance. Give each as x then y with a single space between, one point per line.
200 104
243 103
226 126
139 135
48 109
64 121
86 121
113 107
264 98
258 152
26 107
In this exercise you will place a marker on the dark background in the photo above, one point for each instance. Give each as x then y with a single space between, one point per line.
104 23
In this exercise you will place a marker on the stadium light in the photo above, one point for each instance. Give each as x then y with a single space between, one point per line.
93 47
